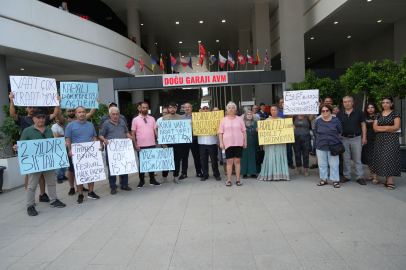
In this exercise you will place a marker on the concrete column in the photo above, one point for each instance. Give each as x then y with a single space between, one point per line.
3 86
154 100
137 96
151 46
400 39
292 40
106 90
133 24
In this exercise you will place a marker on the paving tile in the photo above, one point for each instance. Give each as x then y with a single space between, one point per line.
7 261
25 266
387 242
325 265
277 262
233 261
73 259
23 245
298 226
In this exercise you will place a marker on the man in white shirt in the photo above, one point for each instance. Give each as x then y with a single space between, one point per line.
208 147
57 130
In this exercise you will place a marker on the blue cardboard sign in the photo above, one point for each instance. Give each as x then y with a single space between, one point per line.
175 131
42 155
157 159
75 94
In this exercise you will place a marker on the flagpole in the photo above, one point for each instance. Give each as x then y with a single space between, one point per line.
263 66
228 52
180 60
163 71
190 59
151 64
246 62
170 55
255 68
218 62
142 65
199 52
237 58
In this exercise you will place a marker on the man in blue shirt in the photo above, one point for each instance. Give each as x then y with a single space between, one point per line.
288 145
263 115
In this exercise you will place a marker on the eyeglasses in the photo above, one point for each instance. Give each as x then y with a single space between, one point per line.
325 111
145 120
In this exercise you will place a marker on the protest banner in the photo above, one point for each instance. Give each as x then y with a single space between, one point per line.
75 94
121 157
301 102
175 131
207 123
33 91
42 155
275 131
88 162
156 159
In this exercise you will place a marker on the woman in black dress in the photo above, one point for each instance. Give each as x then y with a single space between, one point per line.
386 159
368 150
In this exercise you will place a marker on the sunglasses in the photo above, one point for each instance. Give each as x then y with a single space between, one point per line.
325 111
145 120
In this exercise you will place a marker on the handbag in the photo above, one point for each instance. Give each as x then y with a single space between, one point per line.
260 157
336 149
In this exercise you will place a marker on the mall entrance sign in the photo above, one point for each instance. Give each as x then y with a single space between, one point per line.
194 79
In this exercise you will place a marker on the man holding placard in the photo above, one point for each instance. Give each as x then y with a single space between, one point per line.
115 128
80 131
39 131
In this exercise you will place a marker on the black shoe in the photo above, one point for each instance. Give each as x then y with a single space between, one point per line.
92 196
59 180
253 176
80 198
85 189
314 166
65 178
204 178
71 191
141 184
218 178
312 154
244 176
181 177
44 198
57 203
31 211
291 166
154 183
199 175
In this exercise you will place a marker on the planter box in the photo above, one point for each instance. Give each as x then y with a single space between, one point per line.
12 177
403 157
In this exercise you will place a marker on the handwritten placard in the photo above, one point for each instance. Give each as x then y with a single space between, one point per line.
121 157
42 155
74 94
88 162
175 131
33 91
206 123
156 159
301 102
276 131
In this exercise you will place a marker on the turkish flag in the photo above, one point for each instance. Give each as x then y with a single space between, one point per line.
241 59
202 54
141 64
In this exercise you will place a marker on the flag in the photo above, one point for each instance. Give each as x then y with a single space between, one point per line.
212 59
202 54
257 60
250 60
153 63
240 58
130 65
173 61
222 60
231 61
184 62
161 64
190 61
266 61
141 64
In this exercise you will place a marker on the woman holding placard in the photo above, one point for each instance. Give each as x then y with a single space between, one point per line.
248 161
275 165
302 145
233 138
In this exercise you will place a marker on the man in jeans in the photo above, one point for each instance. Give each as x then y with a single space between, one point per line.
114 128
354 136
289 151
143 131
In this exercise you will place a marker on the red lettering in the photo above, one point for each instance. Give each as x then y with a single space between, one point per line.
202 79
197 80
171 81
223 78
214 78
218 78
208 79
181 80
188 80
166 81
192 80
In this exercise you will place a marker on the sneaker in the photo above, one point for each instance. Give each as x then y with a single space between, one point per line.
71 191
113 191
141 184
176 180
59 180
312 154
164 179
44 198
80 198
291 166
92 196
57 203
204 178
65 178
218 178
31 211
181 177
85 189
314 166
154 183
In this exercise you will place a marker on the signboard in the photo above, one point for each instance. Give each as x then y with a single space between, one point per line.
207 123
88 162
191 79
156 159
301 102
275 131
121 157
247 103
175 131
42 155
75 94
34 91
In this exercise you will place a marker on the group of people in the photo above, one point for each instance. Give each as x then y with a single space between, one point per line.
236 144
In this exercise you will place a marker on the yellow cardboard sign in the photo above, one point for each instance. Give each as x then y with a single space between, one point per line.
206 123
276 131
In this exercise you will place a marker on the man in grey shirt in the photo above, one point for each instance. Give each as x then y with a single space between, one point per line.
114 129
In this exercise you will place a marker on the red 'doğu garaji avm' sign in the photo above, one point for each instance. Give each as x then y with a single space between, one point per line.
191 79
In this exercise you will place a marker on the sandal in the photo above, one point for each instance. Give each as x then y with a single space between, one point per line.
336 184
238 183
390 186
375 181
228 184
384 184
370 178
322 183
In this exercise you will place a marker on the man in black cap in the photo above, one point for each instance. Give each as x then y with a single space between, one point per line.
39 131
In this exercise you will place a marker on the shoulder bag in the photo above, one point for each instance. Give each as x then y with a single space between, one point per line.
336 149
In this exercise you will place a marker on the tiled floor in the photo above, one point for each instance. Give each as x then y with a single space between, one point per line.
206 225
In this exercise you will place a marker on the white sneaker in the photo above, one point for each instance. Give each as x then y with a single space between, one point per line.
164 179
176 180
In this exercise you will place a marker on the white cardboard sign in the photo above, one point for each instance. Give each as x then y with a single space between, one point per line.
121 157
34 91
301 102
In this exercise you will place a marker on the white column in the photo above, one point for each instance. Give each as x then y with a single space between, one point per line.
133 24
137 96
292 40
154 99
3 86
151 46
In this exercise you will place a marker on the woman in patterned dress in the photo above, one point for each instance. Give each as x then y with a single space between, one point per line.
248 160
368 150
275 165
386 159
